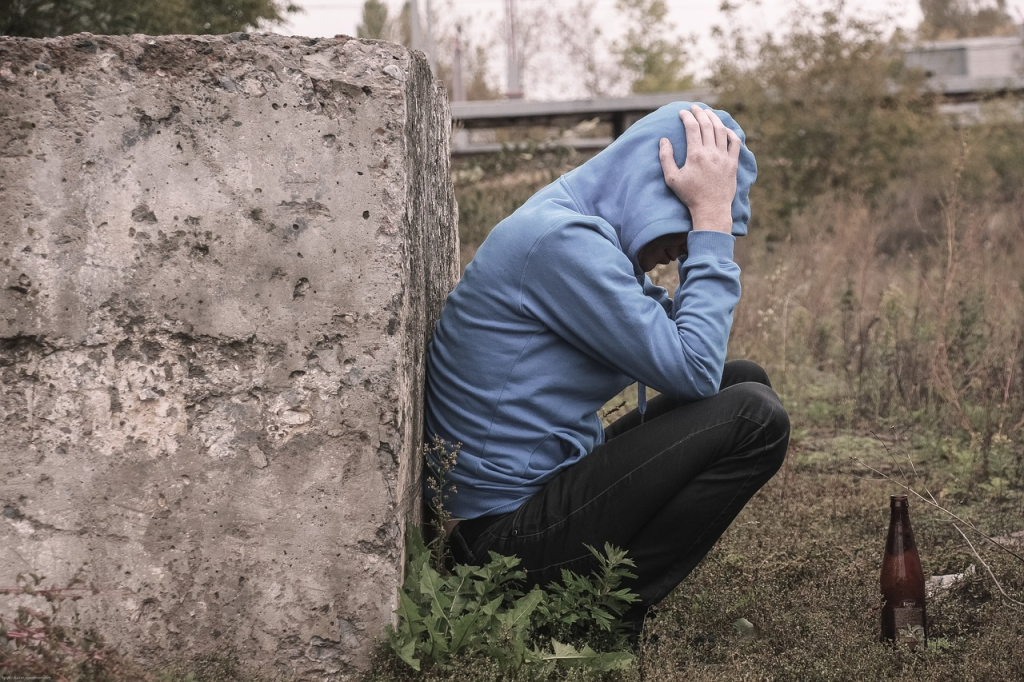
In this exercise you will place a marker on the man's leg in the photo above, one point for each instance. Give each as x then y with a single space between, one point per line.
664 491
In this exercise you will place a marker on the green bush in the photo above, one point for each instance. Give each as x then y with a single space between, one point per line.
482 611
447 615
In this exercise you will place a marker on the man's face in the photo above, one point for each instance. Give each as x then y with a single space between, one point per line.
663 250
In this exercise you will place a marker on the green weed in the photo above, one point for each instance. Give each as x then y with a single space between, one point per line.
480 611
448 614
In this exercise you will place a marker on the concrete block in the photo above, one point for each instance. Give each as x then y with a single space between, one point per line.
220 261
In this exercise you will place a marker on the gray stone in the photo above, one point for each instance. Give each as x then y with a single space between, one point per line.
220 262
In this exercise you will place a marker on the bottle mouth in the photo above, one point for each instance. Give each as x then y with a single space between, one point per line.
899 501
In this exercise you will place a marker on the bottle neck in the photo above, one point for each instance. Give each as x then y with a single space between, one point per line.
901 537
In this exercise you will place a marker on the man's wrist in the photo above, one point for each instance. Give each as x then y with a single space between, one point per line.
719 221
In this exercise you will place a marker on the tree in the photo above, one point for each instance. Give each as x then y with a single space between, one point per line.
581 41
378 24
476 71
650 54
475 49
402 33
946 19
829 109
47 18
478 84
649 57
375 24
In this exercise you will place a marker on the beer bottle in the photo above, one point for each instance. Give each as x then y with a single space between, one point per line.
903 609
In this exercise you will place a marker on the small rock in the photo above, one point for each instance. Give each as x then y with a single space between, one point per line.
744 628
294 417
939 585
1014 538
394 72
148 394
142 214
257 457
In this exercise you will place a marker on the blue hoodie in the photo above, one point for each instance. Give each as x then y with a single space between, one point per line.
554 317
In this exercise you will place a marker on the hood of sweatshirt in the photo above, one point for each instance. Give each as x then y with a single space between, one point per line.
625 186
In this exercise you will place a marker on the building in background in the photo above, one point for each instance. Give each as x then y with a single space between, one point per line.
970 65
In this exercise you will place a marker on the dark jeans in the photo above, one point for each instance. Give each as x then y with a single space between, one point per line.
664 490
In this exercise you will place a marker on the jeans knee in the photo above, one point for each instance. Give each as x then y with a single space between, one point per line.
741 371
779 436
765 408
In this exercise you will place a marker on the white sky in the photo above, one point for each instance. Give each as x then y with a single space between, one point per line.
332 17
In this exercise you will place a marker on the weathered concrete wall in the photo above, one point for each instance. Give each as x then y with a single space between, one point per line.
220 259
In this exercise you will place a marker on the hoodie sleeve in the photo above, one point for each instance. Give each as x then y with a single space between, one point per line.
579 284
659 294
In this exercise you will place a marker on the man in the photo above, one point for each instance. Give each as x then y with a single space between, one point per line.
555 316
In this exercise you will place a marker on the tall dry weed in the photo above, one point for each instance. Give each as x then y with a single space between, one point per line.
930 332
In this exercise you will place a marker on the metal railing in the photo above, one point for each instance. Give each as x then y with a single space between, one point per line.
621 112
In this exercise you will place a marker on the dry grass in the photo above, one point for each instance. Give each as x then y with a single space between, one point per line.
802 562
801 566
930 335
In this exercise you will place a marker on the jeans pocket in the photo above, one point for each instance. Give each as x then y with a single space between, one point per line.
460 550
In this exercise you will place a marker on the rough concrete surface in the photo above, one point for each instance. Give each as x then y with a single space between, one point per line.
220 261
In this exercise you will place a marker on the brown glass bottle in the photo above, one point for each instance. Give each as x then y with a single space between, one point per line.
904 620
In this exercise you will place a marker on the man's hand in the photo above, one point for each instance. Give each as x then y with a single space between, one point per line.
707 181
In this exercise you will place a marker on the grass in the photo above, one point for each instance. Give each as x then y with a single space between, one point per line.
800 566
801 563
791 592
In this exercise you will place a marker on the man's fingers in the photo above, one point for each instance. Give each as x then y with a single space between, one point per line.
704 128
668 161
692 127
721 131
734 143
707 128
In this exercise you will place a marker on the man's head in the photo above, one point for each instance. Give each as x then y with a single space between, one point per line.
663 250
625 184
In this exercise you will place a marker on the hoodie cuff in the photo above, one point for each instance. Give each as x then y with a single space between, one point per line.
707 243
